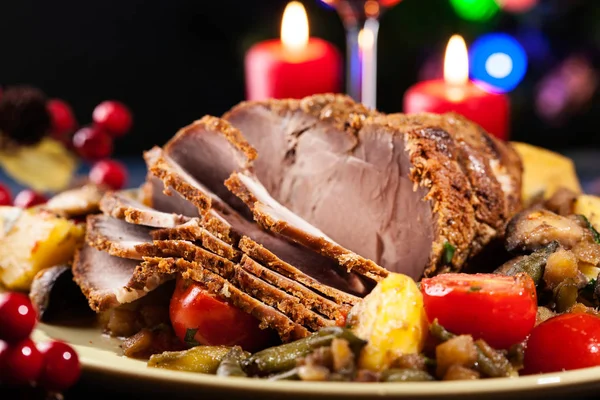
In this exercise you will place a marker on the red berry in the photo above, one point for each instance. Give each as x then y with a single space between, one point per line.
61 367
5 196
17 316
109 173
28 198
62 117
113 116
21 363
92 143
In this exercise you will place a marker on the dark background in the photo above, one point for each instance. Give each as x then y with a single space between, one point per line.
172 61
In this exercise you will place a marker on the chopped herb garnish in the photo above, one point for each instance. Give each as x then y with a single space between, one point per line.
595 233
475 288
189 337
449 250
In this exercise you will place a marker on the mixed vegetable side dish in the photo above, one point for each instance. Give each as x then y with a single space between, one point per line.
243 282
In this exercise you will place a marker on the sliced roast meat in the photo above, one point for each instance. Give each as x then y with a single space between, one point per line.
394 189
166 200
121 206
219 286
278 219
209 150
116 237
193 231
106 280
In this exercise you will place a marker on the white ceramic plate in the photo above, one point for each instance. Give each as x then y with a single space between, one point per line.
101 357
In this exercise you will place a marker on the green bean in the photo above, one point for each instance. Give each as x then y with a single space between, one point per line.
202 359
291 375
405 375
533 264
489 361
231 365
565 295
283 357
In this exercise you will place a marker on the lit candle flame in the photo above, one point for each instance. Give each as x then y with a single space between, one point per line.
294 27
456 61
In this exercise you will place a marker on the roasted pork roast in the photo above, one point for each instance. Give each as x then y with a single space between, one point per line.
294 209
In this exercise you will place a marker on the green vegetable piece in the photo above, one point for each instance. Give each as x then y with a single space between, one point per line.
533 264
231 365
189 337
449 250
405 375
201 359
439 332
565 295
283 357
595 233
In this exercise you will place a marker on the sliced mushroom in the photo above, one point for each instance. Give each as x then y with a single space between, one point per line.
533 229
55 295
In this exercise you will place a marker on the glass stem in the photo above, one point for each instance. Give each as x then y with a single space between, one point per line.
361 71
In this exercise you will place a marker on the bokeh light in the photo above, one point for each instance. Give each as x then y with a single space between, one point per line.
475 10
498 61
517 6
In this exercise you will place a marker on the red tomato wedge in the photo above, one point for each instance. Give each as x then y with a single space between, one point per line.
565 342
498 309
198 317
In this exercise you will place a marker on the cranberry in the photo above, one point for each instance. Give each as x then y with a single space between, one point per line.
109 173
17 316
28 198
21 363
5 196
92 143
61 367
62 117
113 116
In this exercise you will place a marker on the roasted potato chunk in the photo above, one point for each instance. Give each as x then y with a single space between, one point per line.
32 240
589 206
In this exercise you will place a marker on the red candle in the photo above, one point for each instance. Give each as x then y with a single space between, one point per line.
456 93
293 66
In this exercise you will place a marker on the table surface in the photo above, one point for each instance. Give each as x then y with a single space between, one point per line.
586 163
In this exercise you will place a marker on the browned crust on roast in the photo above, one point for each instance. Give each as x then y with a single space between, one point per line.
192 231
271 261
113 204
307 297
232 134
346 258
95 238
268 316
337 109
214 222
433 155
161 167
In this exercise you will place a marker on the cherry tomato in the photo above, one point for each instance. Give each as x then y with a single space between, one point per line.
27 198
110 173
198 317
61 367
17 316
5 196
21 362
113 116
498 309
564 342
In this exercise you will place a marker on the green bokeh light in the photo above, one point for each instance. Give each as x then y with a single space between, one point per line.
475 10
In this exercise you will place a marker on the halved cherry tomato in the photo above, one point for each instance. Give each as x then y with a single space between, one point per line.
496 308
198 317
565 342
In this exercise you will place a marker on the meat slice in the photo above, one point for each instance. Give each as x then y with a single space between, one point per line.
75 202
269 316
121 206
395 189
193 231
276 218
166 200
209 150
116 237
109 281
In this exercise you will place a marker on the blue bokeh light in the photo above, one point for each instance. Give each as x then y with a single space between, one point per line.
498 61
